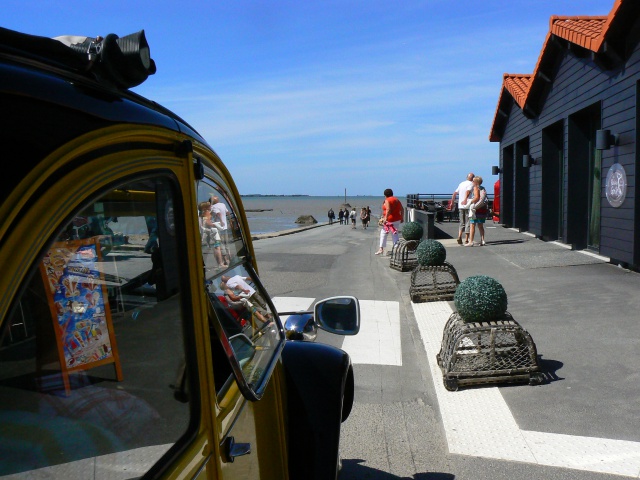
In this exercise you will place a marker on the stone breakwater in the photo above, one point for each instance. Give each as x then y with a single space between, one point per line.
290 231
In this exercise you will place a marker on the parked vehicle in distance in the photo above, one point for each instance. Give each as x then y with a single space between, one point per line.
136 338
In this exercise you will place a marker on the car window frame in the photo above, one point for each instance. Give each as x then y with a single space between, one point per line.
249 391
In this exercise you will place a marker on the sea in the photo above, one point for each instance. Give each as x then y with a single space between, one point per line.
268 214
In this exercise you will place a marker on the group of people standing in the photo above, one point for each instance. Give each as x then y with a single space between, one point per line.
347 217
213 226
473 208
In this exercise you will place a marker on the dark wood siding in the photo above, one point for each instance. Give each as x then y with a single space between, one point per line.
579 83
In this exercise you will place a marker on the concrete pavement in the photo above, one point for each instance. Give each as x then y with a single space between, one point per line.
582 313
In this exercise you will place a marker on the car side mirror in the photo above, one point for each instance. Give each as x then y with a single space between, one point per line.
339 315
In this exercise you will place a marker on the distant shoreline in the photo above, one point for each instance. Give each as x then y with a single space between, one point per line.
261 195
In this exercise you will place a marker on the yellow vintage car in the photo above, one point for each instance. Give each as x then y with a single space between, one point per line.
137 340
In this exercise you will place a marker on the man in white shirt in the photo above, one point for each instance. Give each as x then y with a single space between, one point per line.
240 287
463 191
219 214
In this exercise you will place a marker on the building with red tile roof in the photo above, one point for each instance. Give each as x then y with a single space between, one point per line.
553 173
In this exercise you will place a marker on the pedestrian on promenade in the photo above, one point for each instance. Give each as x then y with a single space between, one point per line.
392 217
341 216
478 212
463 192
219 212
363 217
331 216
210 232
352 216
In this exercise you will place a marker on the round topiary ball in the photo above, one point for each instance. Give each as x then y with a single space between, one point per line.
431 253
480 299
412 231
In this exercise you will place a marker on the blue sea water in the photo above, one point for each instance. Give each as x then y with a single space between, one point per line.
281 213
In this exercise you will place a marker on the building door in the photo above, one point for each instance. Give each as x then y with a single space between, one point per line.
521 191
595 187
506 216
583 180
552 182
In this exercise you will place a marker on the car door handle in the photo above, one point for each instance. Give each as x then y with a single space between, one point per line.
231 449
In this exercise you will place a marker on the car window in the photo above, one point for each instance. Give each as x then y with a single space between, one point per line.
92 357
243 322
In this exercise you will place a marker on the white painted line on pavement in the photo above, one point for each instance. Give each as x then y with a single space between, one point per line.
292 304
378 342
478 421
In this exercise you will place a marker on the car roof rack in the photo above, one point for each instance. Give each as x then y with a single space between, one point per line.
121 62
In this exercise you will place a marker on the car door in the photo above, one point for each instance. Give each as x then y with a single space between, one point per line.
113 357
246 339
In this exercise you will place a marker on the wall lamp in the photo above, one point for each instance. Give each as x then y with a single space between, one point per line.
604 139
528 160
495 170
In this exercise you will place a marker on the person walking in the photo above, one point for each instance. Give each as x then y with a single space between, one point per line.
331 214
363 217
219 212
478 212
392 217
211 233
352 217
341 216
463 193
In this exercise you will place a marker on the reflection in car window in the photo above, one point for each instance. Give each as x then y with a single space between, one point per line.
220 233
243 314
247 321
88 358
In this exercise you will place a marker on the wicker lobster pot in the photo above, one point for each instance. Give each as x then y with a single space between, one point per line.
433 283
403 255
498 351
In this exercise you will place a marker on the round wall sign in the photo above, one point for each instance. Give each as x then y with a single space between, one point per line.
616 185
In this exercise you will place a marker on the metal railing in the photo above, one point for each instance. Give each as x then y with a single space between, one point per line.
437 205
434 201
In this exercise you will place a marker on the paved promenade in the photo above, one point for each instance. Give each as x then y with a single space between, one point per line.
582 422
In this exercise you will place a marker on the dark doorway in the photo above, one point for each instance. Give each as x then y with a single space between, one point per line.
521 190
583 180
552 182
506 185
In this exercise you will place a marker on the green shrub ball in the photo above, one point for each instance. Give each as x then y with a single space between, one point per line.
480 299
431 253
412 231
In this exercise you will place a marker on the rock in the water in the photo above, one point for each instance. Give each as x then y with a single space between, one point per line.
306 220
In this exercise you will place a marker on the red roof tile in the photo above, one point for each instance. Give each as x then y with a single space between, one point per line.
518 86
585 31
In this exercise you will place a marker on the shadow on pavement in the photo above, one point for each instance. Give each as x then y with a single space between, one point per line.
353 469
549 369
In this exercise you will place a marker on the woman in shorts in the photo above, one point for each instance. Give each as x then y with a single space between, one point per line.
480 205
